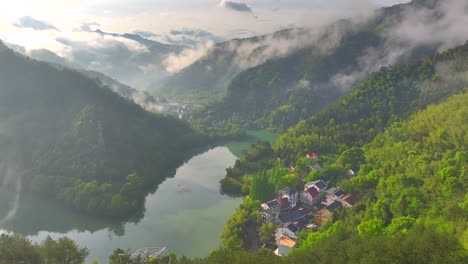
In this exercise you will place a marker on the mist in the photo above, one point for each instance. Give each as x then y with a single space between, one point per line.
441 28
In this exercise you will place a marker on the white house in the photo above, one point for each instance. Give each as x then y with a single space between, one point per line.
290 194
270 211
320 185
286 230
285 244
310 196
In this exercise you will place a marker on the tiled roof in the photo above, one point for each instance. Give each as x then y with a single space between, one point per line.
313 191
272 203
352 200
320 184
334 206
339 193
286 241
284 202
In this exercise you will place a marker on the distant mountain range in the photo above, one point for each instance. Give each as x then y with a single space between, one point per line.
316 69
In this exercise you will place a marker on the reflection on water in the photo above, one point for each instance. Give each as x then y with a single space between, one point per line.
186 213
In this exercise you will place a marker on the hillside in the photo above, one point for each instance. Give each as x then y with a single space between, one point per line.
75 141
412 204
209 76
286 89
388 95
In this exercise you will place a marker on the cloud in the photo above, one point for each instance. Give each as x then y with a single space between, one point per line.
236 6
177 62
30 22
88 27
191 37
441 28
145 34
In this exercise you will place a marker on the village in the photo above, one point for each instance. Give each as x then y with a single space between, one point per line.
295 210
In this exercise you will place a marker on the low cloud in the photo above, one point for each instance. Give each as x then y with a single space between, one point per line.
191 37
175 62
145 34
30 22
441 28
88 27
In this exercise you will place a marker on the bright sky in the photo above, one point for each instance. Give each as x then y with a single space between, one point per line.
222 17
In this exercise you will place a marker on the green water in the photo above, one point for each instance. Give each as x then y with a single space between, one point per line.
186 213
237 148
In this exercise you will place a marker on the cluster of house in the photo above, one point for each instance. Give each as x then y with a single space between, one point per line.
292 218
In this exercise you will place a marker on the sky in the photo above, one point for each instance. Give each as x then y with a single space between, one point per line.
224 18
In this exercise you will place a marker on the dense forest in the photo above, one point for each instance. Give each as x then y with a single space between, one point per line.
286 89
17 249
73 140
388 95
413 205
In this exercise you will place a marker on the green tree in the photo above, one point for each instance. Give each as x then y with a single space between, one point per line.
267 232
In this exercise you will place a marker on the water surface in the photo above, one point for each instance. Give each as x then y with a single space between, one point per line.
186 213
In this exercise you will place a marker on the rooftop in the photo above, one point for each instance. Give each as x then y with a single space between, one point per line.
286 241
334 206
287 191
272 203
284 202
351 199
320 184
339 193
313 191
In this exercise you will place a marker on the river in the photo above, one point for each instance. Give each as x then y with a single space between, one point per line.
186 213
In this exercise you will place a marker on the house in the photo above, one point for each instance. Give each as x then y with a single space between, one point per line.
288 230
320 185
290 194
284 202
349 200
310 196
270 211
312 155
334 206
285 244
338 194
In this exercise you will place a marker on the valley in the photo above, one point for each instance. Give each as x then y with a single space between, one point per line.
330 139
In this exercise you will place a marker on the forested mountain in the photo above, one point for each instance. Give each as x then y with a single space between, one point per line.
128 58
287 89
208 77
140 97
71 139
388 95
412 207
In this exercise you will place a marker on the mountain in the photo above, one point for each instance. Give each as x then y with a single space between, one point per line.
286 89
210 75
153 45
69 138
128 58
387 96
142 98
412 205
391 94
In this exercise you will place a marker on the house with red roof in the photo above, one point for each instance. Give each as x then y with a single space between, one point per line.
312 155
349 200
310 196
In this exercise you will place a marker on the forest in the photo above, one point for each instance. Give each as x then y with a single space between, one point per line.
76 141
413 205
